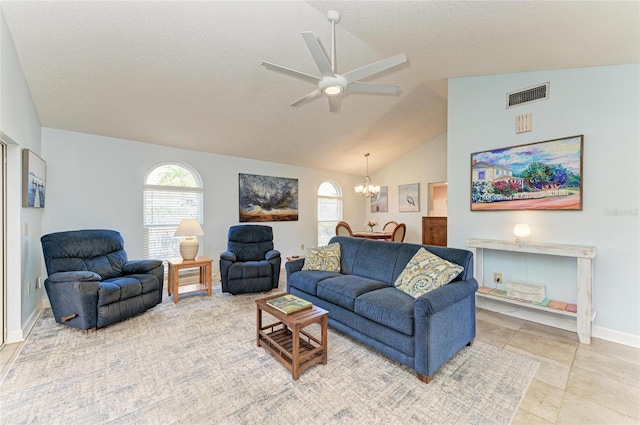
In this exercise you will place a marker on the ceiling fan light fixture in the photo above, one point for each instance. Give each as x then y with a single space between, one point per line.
332 90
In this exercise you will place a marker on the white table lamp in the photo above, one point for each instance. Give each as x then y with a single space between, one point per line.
522 233
189 246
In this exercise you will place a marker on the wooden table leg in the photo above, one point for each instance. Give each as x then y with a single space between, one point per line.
175 276
209 278
323 338
295 335
259 326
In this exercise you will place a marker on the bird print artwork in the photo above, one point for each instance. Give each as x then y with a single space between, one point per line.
409 197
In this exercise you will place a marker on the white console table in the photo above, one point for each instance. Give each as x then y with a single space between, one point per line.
584 257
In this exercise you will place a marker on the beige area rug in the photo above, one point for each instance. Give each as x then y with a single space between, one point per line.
196 362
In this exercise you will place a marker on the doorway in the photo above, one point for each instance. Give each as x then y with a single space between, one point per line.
3 243
437 199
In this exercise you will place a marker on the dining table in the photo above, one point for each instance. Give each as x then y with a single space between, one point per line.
383 234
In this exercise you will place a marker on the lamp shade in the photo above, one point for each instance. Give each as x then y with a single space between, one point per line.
189 227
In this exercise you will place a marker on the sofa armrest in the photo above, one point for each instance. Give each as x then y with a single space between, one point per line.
75 276
445 321
140 266
439 299
294 266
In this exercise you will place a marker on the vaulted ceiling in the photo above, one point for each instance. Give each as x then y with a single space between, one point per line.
188 74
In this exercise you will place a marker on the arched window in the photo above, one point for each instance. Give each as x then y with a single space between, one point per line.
172 191
329 211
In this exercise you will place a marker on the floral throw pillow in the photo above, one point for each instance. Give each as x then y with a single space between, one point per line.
425 272
323 258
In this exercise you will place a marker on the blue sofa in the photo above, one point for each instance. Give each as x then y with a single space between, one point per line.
91 283
421 333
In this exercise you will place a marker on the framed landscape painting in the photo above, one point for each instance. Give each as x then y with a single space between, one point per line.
537 176
380 201
265 198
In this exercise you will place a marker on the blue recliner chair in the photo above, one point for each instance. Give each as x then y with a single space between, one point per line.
250 263
91 284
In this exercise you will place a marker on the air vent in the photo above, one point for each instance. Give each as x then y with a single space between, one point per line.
528 95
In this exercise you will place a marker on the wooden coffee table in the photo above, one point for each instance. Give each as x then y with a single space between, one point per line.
296 349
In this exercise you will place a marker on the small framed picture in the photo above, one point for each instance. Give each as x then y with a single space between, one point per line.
380 201
409 197
33 180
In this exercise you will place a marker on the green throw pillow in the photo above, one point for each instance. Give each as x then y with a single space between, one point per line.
425 272
323 258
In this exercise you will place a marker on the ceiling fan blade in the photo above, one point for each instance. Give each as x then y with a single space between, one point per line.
358 87
318 55
308 97
374 68
291 72
334 103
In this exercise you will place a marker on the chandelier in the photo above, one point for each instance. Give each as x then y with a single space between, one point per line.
367 188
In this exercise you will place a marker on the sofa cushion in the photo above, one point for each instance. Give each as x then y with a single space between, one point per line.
425 272
389 307
343 290
308 281
323 258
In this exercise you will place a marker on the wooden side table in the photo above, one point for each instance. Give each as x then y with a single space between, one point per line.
177 264
296 349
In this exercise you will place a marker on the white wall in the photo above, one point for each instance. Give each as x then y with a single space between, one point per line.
424 165
19 121
602 103
96 182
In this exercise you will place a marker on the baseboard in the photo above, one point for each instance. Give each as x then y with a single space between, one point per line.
616 336
556 321
21 335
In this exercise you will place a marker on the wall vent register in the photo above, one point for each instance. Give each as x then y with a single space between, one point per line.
528 95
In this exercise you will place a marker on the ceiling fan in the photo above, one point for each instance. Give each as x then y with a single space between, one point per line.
331 84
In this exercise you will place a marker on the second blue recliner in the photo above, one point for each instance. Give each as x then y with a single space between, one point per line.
250 264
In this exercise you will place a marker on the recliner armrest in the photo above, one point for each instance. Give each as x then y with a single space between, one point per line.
229 256
140 266
75 276
272 254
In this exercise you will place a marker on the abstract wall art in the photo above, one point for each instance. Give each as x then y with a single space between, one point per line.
265 198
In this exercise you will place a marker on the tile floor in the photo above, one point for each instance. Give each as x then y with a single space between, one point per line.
575 383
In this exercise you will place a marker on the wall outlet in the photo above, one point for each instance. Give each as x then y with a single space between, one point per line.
497 277
39 282
28 287
301 246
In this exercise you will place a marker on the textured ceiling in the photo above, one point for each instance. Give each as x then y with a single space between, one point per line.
188 74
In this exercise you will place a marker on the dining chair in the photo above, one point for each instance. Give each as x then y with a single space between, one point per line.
343 229
399 232
389 226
